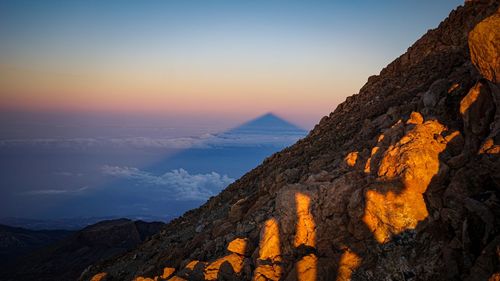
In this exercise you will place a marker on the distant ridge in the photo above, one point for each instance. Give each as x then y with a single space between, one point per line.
65 254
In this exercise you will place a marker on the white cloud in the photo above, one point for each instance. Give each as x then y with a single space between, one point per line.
55 191
67 174
181 184
136 142
203 141
253 140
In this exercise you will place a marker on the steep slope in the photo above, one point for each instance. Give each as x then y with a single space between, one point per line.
400 182
67 258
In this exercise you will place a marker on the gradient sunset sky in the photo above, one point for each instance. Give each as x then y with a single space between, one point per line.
231 60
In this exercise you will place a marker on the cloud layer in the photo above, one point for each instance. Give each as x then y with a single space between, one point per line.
179 183
134 142
204 141
55 191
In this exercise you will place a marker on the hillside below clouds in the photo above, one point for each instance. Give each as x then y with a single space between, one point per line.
63 255
400 182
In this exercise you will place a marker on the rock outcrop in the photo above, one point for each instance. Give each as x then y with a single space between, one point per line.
484 47
400 182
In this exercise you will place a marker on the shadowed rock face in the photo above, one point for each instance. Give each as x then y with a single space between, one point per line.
400 182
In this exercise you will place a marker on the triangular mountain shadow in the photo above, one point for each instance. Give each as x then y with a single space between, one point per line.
238 150
232 153
268 123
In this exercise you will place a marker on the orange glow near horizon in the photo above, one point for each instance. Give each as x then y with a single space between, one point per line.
224 58
197 92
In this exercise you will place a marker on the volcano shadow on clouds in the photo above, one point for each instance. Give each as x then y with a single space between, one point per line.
212 164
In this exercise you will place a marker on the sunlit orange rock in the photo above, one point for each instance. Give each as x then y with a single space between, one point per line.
414 158
415 118
268 263
306 268
489 147
238 246
140 278
306 227
177 278
213 269
373 155
267 272
484 45
392 213
99 277
192 264
167 272
269 247
396 204
351 158
348 263
495 277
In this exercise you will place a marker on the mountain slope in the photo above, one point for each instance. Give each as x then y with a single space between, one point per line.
400 182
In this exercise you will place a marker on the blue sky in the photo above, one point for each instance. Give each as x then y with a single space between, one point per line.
218 58
93 94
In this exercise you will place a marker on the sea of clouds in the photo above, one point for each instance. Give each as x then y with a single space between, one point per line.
203 142
178 182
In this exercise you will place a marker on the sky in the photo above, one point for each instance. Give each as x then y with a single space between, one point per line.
216 63
116 107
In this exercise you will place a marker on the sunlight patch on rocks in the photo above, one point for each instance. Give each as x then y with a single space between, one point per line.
306 227
349 262
396 203
307 268
99 276
268 267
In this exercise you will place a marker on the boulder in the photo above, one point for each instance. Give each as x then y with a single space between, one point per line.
484 45
99 277
230 265
436 90
240 246
167 272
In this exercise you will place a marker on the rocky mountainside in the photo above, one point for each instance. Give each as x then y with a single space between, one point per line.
400 182
67 258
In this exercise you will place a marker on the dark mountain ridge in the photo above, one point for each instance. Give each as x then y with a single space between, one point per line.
16 241
73 223
68 256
